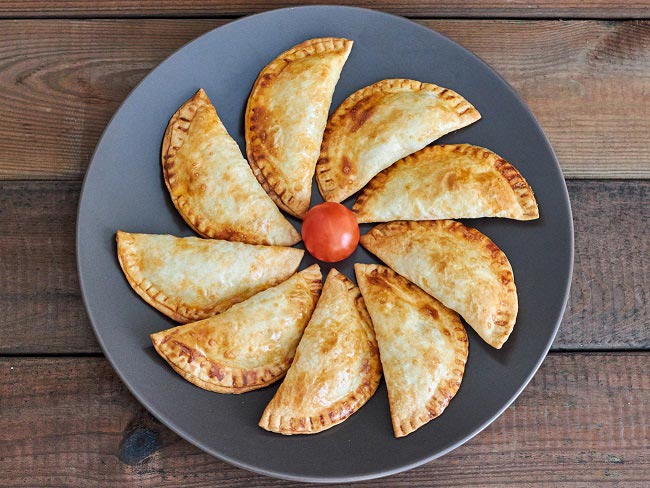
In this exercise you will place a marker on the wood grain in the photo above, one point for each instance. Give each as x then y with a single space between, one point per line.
610 292
40 299
583 419
43 312
414 8
587 82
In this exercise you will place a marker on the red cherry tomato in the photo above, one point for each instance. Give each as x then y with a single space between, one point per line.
330 232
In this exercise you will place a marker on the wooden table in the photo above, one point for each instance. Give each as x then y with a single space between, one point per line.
65 66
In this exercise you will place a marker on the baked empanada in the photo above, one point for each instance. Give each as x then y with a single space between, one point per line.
381 124
212 185
250 345
457 265
336 368
457 181
286 116
190 279
422 345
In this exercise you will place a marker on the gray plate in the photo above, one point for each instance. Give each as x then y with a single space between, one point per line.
124 190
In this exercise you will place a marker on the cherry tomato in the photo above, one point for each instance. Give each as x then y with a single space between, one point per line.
330 232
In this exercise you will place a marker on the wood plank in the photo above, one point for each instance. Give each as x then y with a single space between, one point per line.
583 419
413 8
608 307
40 299
39 290
63 79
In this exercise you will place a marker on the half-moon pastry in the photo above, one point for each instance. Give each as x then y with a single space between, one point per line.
456 181
336 368
422 345
457 265
211 184
286 116
250 345
381 124
190 279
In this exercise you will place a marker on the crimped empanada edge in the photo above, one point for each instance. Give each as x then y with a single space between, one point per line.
324 420
241 380
505 318
517 183
144 288
344 408
520 187
262 168
177 312
375 184
180 122
464 109
437 403
314 280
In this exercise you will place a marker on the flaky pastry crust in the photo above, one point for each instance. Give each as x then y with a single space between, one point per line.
211 184
336 368
250 345
422 345
456 181
190 279
456 264
380 124
286 116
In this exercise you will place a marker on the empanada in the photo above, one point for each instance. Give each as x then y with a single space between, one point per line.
336 368
250 345
212 185
456 181
457 265
422 345
286 115
190 279
380 124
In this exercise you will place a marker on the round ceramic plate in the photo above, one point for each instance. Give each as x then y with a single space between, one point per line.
124 190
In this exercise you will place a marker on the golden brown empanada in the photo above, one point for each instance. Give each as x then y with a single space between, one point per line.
457 265
190 279
336 368
250 345
211 184
380 124
286 115
422 345
456 181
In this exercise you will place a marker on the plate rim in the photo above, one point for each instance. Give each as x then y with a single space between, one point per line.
169 423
